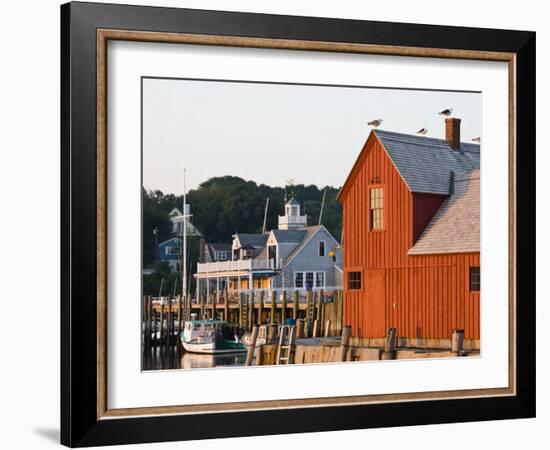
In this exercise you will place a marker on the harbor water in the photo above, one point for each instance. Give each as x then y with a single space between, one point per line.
158 358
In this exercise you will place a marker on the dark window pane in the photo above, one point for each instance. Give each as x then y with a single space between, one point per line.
354 280
475 279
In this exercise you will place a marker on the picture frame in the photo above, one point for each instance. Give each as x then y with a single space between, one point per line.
86 28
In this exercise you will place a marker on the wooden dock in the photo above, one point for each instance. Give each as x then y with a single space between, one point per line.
316 333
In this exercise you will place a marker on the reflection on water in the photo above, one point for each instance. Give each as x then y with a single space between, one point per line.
163 358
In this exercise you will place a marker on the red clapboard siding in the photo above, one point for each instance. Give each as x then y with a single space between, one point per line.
422 296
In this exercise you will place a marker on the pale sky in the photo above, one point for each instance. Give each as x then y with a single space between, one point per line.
270 133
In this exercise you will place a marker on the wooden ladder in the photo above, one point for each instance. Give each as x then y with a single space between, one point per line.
310 311
287 344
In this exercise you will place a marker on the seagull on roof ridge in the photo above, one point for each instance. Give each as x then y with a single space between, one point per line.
422 131
375 123
446 112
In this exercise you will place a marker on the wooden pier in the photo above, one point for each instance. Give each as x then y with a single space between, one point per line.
315 333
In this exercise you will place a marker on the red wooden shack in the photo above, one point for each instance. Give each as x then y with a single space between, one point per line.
411 237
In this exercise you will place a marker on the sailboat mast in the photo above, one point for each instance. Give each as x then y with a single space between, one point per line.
265 215
184 250
322 205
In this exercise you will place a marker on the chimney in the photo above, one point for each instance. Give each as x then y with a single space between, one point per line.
452 132
202 251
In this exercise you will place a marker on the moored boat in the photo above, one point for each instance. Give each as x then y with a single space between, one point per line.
206 336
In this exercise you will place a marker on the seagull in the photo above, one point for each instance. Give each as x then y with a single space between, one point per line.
446 112
476 139
375 123
422 131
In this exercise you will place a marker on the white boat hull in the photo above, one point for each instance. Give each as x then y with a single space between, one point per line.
208 348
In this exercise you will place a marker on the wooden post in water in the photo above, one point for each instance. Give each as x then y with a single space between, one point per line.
226 306
389 348
340 309
323 307
161 327
457 342
250 353
273 306
213 296
250 310
344 344
328 328
283 307
154 326
180 314
296 305
146 334
169 323
315 328
241 300
271 333
307 328
151 316
300 328
261 308
319 298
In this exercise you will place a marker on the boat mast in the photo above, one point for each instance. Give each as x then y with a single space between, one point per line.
184 250
322 205
265 215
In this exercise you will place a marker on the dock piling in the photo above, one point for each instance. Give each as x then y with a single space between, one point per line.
328 328
261 308
389 348
344 345
457 342
250 353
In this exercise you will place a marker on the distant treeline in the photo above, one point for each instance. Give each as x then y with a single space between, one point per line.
222 206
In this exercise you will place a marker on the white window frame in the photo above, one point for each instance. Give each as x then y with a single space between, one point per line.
324 279
303 280
168 251
221 254
304 276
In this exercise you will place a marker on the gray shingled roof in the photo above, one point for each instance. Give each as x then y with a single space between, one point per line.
426 163
220 246
256 240
455 226
289 236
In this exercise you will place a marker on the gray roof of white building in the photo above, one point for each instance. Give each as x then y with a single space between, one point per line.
455 226
289 236
220 246
425 163
256 240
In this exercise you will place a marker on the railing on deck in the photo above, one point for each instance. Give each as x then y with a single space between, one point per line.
328 293
237 266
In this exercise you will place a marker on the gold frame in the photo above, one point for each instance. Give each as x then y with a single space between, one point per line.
103 36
